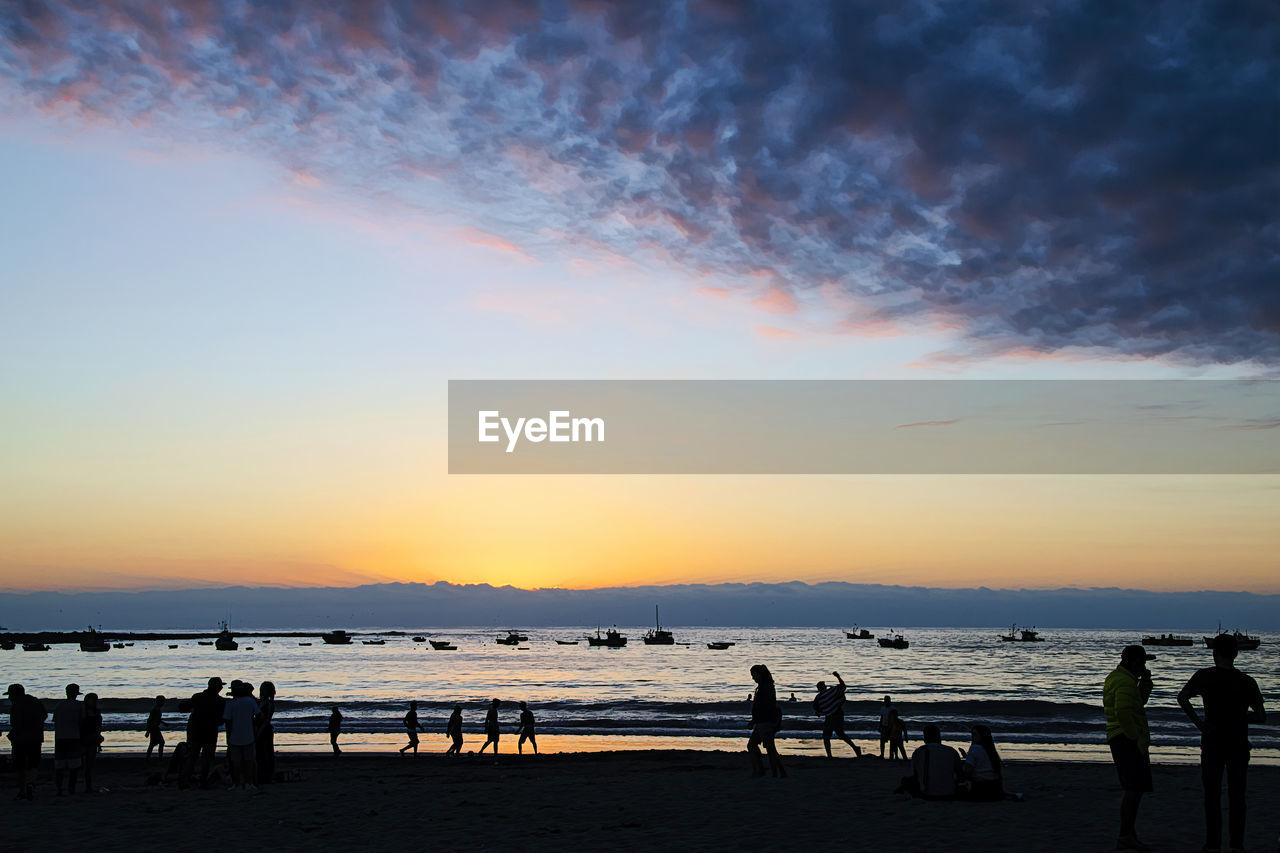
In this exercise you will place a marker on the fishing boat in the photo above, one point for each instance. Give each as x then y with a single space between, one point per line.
719 646
378 642
1167 640
35 647
896 641
1021 635
657 636
266 641
611 639
94 642
1244 642
304 644
513 638
225 641
121 645
859 634
443 646
419 639
173 645
336 638
566 642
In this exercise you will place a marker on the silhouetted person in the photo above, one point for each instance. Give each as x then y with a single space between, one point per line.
884 724
177 761
1232 700
239 713
1124 699
897 736
829 704
766 720
525 730
491 731
935 768
454 730
204 718
264 733
335 729
412 726
155 728
26 734
68 756
91 738
982 766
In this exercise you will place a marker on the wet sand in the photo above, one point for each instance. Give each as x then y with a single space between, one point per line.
654 800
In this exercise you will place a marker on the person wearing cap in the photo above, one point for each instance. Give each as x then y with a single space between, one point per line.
242 755
1232 701
26 734
68 719
1124 699
205 718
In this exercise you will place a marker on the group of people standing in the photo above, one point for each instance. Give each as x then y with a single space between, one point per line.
77 738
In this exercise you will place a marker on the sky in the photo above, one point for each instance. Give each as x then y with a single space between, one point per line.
245 246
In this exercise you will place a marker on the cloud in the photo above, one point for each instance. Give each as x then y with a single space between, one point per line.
774 333
927 424
1065 176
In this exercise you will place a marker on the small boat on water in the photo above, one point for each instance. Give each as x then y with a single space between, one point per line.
443 646
1167 640
719 646
336 638
173 645
94 642
121 645
1244 642
304 644
657 636
266 641
128 644
204 642
35 647
513 638
895 641
611 639
419 639
377 642
225 641
859 634
566 642
1021 635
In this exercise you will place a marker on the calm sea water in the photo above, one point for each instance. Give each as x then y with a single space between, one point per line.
1040 699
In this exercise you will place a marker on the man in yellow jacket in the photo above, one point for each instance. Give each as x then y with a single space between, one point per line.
1124 698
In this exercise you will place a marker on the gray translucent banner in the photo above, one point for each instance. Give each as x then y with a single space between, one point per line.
864 427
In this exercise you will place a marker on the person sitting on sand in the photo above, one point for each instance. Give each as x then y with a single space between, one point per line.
897 736
454 730
412 726
90 738
241 752
935 769
335 729
525 730
885 710
68 717
982 766
829 704
155 728
491 731
766 720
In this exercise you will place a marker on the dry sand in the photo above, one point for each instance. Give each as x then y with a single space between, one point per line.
656 801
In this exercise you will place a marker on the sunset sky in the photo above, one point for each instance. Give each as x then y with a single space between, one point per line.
243 249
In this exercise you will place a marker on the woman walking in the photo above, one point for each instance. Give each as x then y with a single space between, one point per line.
766 719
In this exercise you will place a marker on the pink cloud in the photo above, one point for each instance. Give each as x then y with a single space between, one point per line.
776 301
714 292
776 334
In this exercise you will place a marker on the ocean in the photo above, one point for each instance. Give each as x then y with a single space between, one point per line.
1041 700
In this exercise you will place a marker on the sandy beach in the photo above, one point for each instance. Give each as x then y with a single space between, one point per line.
654 800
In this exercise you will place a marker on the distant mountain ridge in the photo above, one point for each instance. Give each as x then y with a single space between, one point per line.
795 603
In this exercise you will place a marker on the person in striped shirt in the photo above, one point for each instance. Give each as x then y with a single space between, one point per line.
829 704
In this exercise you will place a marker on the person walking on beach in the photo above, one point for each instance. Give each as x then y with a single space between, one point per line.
68 718
155 728
525 730
264 733
204 718
454 730
1124 699
26 735
766 720
412 726
829 704
1232 701
335 729
242 755
885 710
491 731
90 739
897 736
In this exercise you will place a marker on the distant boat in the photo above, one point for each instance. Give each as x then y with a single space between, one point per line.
513 638
566 642
94 642
1244 642
719 646
1167 640
173 645
225 641
336 638
204 642
657 636
266 641
859 634
1021 635
611 639
35 647
128 644
419 639
121 645
304 644
377 642
896 641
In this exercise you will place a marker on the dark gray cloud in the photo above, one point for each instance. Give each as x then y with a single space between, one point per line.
1045 176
